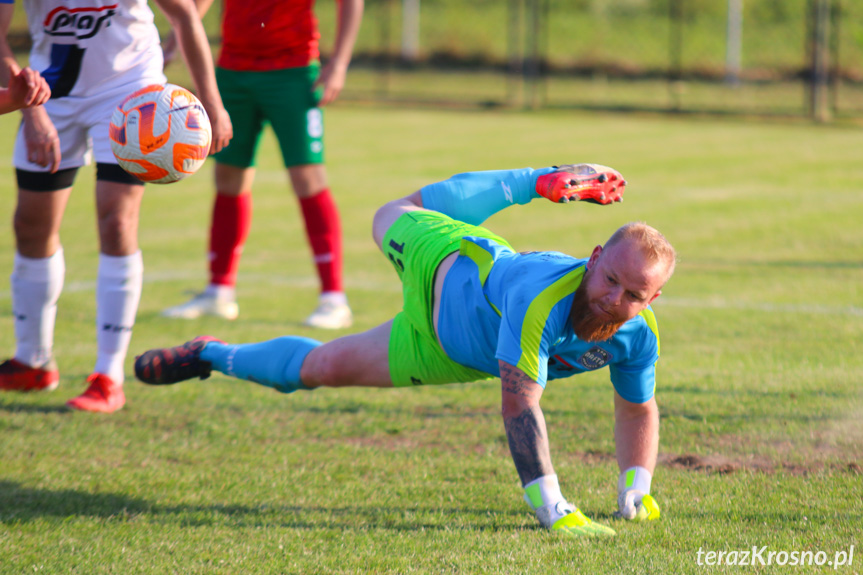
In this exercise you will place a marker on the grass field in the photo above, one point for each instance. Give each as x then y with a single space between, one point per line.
759 384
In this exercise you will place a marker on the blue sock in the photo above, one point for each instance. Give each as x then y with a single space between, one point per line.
275 363
473 197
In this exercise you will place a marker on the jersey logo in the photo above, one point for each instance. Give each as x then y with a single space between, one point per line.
507 191
82 23
594 358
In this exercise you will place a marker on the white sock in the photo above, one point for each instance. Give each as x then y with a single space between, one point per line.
118 291
36 287
221 292
333 297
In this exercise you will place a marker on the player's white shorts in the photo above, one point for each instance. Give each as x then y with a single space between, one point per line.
82 125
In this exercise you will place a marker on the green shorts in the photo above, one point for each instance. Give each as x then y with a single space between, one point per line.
416 244
285 99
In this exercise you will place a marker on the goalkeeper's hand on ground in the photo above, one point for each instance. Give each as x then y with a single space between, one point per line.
634 501
582 182
555 513
636 506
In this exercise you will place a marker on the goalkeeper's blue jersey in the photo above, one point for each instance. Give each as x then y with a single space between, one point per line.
501 305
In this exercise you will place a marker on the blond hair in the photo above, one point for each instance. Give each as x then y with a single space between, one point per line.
652 244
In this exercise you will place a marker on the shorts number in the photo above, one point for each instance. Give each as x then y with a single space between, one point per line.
400 248
315 123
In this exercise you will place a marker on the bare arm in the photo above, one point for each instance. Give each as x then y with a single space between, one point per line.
26 88
183 15
636 433
332 77
169 44
528 444
9 65
40 135
524 423
203 7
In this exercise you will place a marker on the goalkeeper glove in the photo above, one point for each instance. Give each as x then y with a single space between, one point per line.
586 182
633 500
554 512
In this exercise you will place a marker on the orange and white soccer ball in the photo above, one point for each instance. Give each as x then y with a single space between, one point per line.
160 134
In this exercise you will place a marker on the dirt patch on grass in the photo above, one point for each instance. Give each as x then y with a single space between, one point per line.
396 440
724 465
709 463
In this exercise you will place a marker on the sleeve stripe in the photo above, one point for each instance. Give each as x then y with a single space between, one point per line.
537 315
650 318
483 260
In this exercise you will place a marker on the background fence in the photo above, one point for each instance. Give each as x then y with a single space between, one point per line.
784 57
739 56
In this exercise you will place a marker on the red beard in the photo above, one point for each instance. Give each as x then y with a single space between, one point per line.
587 325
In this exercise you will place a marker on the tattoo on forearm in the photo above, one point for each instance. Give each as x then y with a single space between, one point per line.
528 444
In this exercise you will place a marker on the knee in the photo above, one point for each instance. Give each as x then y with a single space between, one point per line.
388 213
381 222
118 228
308 180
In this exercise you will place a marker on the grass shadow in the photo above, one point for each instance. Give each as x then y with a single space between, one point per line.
24 504
20 503
345 518
15 407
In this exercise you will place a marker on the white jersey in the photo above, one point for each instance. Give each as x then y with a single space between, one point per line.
87 47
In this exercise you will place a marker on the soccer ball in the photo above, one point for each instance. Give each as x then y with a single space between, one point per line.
160 134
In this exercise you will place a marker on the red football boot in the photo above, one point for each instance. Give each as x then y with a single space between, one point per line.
585 182
103 395
16 376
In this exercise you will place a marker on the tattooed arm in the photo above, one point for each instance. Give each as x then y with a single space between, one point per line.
528 444
524 423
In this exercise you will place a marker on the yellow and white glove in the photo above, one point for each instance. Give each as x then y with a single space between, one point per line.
634 501
556 513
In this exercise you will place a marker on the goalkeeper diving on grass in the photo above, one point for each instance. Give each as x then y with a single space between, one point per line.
474 309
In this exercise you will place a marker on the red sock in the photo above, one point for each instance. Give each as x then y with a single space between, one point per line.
232 218
325 236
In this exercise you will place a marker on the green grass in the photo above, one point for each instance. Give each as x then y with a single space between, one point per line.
759 381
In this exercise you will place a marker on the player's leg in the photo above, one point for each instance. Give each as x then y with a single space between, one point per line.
37 279
396 353
402 352
286 364
39 268
353 360
473 197
229 228
387 215
232 206
291 107
290 363
324 233
38 216
118 286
